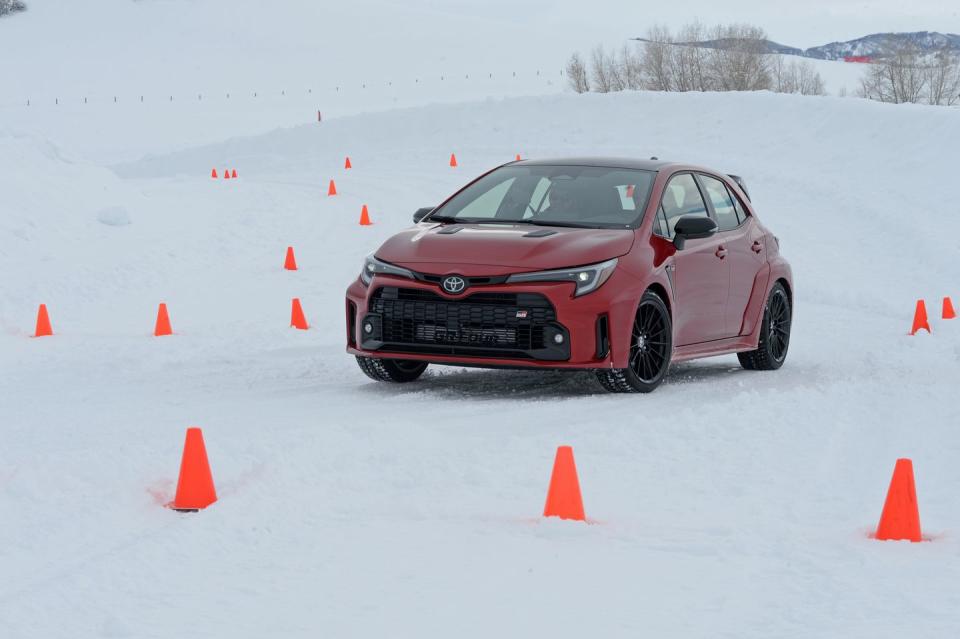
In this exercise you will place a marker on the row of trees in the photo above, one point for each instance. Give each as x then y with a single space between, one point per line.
724 58
9 6
907 74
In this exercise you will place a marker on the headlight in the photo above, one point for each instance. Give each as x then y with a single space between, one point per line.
372 266
587 278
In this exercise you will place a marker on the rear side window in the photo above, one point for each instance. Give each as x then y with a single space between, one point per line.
723 204
681 197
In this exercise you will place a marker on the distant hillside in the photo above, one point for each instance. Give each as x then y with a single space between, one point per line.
871 46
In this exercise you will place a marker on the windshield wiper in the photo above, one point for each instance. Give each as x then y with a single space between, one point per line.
443 219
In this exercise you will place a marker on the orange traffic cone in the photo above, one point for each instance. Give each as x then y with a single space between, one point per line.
920 318
347 164
901 516
213 173
297 318
629 190
195 486
518 158
365 216
332 189
163 322
563 496
453 159
290 263
233 173
226 174
948 312
43 323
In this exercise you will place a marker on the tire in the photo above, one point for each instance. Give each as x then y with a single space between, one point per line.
398 371
651 346
774 333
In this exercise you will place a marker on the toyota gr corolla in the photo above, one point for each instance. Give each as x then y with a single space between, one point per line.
615 266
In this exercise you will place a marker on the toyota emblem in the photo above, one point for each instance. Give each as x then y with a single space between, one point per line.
454 284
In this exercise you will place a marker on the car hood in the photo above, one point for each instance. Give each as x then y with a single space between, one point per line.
509 247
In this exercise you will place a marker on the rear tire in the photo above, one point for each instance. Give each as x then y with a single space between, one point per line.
391 370
651 346
774 334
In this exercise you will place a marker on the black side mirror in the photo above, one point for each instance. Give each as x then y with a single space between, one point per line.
692 227
421 213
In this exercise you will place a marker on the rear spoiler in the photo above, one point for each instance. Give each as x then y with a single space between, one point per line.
740 183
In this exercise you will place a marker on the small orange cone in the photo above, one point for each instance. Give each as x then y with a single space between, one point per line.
332 189
195 488
518 158
920 318
43 323
213 173
901 516
226 174
453 159
290 263
297 318
365 216
948 312
233 174
347 164
629 190
163 322
563 496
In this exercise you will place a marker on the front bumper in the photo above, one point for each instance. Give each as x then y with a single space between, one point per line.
533 325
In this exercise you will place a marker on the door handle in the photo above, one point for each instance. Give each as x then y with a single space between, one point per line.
721 252
757 247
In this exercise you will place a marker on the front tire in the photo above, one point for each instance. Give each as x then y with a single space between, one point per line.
774 334
651 346
398 371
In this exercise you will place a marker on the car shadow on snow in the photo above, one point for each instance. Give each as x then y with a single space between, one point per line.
475 383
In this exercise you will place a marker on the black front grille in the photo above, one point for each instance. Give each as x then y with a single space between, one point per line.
517 325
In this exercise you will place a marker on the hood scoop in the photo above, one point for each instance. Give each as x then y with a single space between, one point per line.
540 233
449 230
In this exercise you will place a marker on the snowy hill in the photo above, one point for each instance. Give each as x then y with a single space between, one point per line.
726 504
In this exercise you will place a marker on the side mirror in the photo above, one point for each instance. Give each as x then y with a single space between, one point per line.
692 227
421 213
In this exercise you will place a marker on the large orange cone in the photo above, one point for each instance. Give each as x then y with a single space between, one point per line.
290 263
297 318
163 322
365 216
195 486
347 164
43 323
213 173
233 173
563 496
453 159
332 189
901 516
920 318
948 312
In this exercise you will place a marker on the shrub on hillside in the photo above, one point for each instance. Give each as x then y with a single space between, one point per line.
10 6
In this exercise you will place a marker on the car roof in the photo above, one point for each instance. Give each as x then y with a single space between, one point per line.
607 162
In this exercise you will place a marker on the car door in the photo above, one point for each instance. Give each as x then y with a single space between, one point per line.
700 274
743 241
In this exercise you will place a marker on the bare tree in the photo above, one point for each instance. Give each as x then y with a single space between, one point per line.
655 59
899 76
738 62
600 68
943 79
577 74
796 77
11 6
688 60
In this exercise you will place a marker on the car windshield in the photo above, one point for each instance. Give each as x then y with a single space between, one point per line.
579 196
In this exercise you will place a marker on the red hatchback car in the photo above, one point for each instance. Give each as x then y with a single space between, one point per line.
616 266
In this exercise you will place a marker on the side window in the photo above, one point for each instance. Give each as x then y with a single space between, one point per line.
741 212
722 204
681 197
660 224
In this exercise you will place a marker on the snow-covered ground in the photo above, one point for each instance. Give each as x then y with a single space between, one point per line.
726 504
